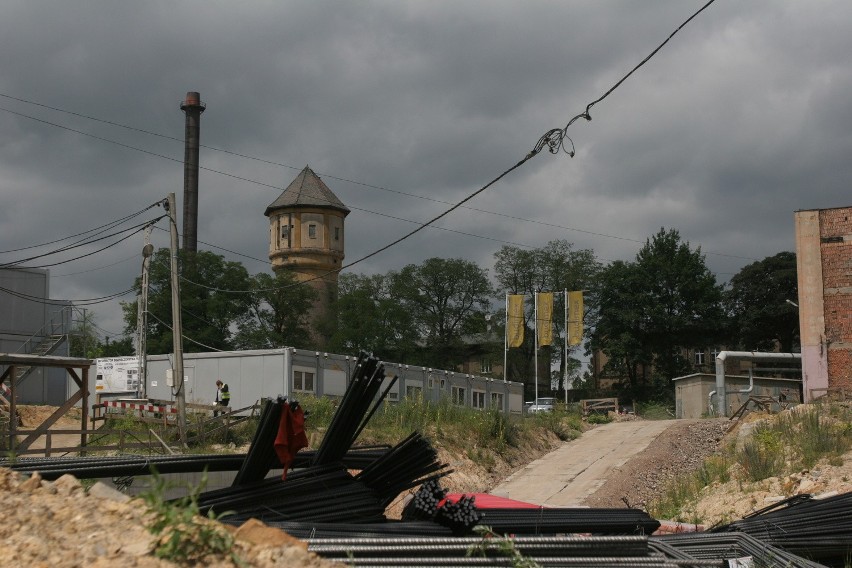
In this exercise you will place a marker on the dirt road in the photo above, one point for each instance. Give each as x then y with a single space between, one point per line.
570 474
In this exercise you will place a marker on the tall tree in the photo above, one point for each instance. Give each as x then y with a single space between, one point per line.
277 313
371 318
652 310
209 310
757 301
555 267
445 297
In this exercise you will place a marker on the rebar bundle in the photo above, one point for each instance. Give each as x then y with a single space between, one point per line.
261 455
408 464
424 504
544 521
819 529
730 545
387 529
354 412
611 551
100 467
459 516
318 494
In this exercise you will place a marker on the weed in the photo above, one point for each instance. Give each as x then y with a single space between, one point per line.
763 455
714 468
676 497
598 419
185 536
654 411
492 542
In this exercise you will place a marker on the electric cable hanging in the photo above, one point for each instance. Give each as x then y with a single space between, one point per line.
83 302
135 229
106 226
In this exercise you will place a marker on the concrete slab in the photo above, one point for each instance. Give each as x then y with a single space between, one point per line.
566 476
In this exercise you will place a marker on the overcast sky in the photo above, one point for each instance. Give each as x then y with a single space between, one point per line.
744 117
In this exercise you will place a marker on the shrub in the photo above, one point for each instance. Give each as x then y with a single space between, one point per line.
598 419
763 455
185 536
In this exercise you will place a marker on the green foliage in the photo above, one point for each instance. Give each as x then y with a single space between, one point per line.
654 411
677 497
761 317
565 423
276 314
209 312
714 468
369 316
443 296
652 309
185 536
85 341
492 543
556 266
775 448
820 431
596 418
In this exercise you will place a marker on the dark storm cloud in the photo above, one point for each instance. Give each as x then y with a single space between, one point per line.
740 120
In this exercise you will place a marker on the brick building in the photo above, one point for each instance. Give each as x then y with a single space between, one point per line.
824 257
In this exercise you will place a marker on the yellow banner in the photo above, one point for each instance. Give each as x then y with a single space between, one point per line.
545 318
515 320
575 318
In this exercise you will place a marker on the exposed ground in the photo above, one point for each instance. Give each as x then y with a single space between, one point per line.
58 525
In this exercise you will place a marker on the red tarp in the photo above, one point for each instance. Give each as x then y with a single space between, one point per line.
486 501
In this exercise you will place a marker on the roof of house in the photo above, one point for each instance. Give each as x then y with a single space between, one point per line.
307 190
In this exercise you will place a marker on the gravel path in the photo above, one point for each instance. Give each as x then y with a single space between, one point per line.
680 449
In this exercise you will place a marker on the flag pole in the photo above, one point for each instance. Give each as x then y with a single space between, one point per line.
565 372
505 338
535 318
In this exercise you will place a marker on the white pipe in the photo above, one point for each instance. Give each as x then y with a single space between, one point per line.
721 400
710 403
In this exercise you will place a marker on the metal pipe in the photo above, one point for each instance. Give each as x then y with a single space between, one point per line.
721 402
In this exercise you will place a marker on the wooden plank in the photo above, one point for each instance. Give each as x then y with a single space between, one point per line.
57 414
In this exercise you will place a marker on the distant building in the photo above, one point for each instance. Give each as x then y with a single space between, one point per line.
29 325
824 264
694 393
306 237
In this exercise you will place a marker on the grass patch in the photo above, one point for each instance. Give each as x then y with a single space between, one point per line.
596 418
777 447
185 536
654 411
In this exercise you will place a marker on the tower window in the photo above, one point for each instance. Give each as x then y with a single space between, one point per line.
337 233
312 231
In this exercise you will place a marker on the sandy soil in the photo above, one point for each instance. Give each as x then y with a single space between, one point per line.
59 525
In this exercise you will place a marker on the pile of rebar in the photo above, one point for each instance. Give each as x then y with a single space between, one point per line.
819 529
325 491
408 464
424 504
731 545
587 552
544 521
103 467
354 411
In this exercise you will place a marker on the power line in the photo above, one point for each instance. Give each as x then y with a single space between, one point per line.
106 226
135 229
82 302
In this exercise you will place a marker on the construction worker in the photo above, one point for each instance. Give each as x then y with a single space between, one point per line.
223 395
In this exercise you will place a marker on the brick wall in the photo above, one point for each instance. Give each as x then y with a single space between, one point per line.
836 253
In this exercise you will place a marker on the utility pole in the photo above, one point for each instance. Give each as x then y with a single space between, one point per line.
177 327
142 317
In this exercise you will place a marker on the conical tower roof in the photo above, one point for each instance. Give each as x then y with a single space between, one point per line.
307 190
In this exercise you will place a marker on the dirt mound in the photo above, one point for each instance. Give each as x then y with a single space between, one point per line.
681 449
60 525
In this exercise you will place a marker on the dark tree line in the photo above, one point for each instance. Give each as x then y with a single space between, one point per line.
644 315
